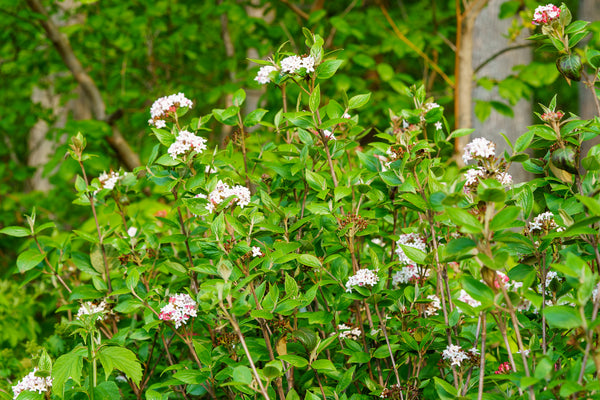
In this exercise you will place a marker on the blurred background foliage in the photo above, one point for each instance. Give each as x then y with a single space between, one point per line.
136 51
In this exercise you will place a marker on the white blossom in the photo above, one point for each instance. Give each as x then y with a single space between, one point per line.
430 106
186 141
166 106
472 175
179 310
438 125
131 232
409 273
32 383
89 308
223 191
466 298
328 134
455 354
545 14
108 180
479 148
347 332
256 252
412 240
434 306
544 221
504 178
264 74
293 64
364 277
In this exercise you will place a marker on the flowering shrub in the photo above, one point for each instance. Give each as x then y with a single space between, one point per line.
308 267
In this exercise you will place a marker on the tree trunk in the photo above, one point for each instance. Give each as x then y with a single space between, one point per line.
489 40
463 104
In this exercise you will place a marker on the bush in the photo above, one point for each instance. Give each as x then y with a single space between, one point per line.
295 263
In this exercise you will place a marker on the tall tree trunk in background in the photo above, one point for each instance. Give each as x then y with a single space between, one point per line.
97 107
463 67
489 40
40 146
589 10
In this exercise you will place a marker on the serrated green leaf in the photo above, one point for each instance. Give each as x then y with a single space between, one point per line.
114 357
67 366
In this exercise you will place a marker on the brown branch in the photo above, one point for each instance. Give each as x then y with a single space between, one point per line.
98 108
295 9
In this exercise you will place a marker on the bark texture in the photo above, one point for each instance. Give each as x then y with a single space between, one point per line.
96 104
488 40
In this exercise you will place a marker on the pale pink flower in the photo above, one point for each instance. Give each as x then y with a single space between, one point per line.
179 310
545 14
32 383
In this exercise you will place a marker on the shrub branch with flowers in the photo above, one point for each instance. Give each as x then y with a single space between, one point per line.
295 263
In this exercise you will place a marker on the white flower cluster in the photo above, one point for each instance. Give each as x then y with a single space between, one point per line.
550 276
409 273
347 332
473 176
434 306
466 298
108 180
185 142
293 64
544 221
455 354
256 252
364 277
412 240
545 14
429 106
479 148
32 383
223 191
179 310
164 106
264 74
89 308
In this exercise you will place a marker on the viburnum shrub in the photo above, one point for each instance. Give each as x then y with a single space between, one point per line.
299 263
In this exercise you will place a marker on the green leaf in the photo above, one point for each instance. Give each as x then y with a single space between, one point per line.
323 364
67 366
416 255
242 374
315 180
315 99
345 380
239 97
477 290
114 357
445 390
254 117
16 231
562 317
460 133
465 221
328 68
107 391
29 395
523 141
358 101
309 260
504 218
294 360
29 259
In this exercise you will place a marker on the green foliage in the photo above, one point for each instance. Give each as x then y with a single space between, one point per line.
296 262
